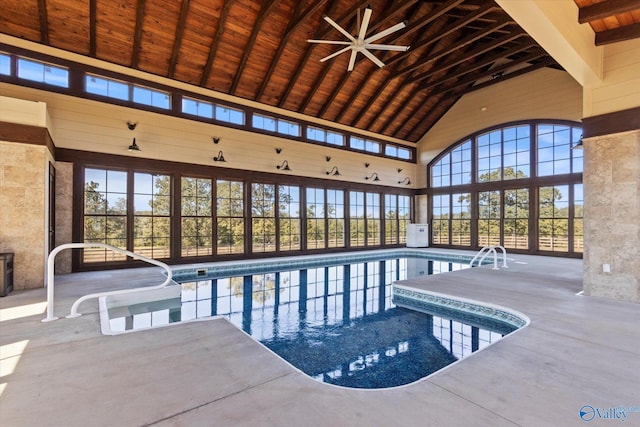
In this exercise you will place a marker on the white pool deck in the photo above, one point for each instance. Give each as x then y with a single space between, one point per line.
577 351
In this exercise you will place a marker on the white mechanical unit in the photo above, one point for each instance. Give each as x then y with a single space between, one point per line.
417 235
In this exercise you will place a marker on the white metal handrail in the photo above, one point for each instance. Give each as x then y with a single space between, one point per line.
74 308
486 250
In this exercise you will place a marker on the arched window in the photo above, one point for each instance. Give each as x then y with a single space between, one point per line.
517 185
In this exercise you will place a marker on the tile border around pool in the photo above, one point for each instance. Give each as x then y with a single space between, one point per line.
217 269
413 298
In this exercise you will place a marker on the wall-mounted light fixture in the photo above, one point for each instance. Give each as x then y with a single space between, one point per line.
366 165
219 157
399 170
578 145
334 171
132 125
328 158
216 139
284 166
278 150
134 146
406 181
374 177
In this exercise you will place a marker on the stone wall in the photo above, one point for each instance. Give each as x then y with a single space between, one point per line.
23 210
64 214
612 216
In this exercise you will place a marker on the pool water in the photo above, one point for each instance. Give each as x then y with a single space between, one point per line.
336 323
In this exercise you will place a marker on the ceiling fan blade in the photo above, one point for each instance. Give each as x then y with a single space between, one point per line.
387 47
333 55
386 32
365 23
335 25
352 60
372 57
328 42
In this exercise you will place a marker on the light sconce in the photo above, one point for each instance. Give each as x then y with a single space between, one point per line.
578 145
216 139
328 158
219 157
278 150
366 165
134 146
373 176
406 181
399 170
132 125
284 166
334 171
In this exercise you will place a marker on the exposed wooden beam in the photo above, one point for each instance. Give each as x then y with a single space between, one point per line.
177 40
216 42
606 9
137 38
265 10
299 69
93 42
459 44
297 19
44 22
619 34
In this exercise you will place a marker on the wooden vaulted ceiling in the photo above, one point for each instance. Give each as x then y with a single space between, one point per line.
258 50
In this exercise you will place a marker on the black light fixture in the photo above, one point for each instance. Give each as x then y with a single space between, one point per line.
219 157
284 166
328 158
366 165
373 176
132 125
134 146
278 150
578 145
334 171
399 170
216 139
405 181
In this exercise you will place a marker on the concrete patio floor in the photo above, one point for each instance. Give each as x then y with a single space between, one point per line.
577 351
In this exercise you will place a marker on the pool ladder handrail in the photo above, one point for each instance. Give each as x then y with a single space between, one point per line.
74 308
486 250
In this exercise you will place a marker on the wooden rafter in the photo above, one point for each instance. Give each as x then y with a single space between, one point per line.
44 22
265 10
606 9
137 38
93 42
620 34
216 42
294 24
177 41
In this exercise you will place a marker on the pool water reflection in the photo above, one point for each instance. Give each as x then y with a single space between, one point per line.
336 323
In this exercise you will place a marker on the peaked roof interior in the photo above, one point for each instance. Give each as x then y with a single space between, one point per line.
258 50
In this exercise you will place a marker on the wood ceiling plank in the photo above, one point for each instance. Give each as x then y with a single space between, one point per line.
137 38
606 9
213 49
177 40
618 34
44 22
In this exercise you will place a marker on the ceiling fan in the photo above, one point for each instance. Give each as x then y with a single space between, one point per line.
360 44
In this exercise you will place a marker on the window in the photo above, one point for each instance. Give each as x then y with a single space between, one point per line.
525 193
322 135
356 219
364 145
396 151
335 215
315 218
373 219
197 108
229 115
152 215
554 150
197 221
106 87
289 217
5 64
390 219
151 97
43 73
263 217
230 217
273 124
105 213
404 217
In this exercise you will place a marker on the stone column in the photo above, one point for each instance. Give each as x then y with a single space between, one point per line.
612 216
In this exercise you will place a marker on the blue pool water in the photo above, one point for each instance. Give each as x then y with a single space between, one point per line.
337 323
